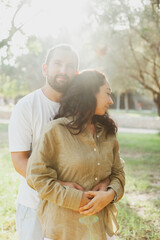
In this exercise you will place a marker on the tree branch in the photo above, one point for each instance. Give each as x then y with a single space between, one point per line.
13 29
155 74
149 60
141 78
155 17
144 84
21 4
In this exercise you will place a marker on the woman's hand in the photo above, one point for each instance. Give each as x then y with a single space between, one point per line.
100 199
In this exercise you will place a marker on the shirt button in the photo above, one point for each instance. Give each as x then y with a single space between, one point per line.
95 149
96 178
98 163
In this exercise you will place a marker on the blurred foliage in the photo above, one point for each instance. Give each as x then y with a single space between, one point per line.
117 37
134 41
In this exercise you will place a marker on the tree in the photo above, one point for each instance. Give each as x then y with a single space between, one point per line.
157 3
29 65
9 85
106 46
140 26
146 55
13 27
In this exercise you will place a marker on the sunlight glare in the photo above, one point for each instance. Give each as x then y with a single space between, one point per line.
47 17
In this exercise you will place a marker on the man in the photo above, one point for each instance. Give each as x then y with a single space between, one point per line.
28 119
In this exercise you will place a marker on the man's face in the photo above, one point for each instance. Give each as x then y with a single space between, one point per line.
61 69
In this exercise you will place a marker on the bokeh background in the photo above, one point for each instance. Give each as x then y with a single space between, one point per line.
120 38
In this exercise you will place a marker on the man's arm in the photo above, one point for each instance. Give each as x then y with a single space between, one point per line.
20 160
102 186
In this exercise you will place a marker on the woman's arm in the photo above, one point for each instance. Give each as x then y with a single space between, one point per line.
117 177
43 178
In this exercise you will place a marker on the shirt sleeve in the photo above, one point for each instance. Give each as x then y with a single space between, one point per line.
117 176
42 176
20 131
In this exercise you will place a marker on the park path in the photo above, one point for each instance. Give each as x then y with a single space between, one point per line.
138 130
127 123
120 129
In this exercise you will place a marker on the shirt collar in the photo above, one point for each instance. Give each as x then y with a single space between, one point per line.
99 127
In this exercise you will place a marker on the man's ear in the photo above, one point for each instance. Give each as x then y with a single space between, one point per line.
44 69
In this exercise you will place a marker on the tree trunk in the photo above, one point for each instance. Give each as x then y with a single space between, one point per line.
126 101
157 101
118 101
134 98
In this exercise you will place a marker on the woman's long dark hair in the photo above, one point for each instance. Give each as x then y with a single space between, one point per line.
79 103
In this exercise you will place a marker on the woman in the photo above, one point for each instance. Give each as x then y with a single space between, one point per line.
79 146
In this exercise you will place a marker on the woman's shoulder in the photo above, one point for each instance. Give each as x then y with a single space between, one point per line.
59 121
56 124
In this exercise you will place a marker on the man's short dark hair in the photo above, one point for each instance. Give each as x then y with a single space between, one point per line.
65 47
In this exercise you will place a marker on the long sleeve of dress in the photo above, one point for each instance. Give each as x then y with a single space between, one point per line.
42 176
117 176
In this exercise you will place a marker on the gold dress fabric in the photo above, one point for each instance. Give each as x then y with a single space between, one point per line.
83 159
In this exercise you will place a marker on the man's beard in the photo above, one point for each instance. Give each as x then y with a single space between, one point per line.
59 86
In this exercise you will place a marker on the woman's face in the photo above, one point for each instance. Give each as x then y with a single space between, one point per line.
104 99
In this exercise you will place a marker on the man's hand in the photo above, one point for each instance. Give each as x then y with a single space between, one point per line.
86 198
102 186
100 199
72 185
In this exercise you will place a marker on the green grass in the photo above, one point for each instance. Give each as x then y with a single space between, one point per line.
9 182
133 226
139 213
140 143
3 127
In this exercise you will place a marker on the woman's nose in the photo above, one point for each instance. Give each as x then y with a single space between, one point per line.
110 101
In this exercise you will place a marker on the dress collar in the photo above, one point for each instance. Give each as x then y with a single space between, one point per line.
98 127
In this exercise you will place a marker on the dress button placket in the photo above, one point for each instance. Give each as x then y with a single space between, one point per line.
95 177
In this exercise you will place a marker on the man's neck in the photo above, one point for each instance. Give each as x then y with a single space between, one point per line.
51 94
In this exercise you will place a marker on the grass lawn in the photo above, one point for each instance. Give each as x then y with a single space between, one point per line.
9 182
139 210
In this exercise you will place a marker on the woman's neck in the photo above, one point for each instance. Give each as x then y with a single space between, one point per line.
91 128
